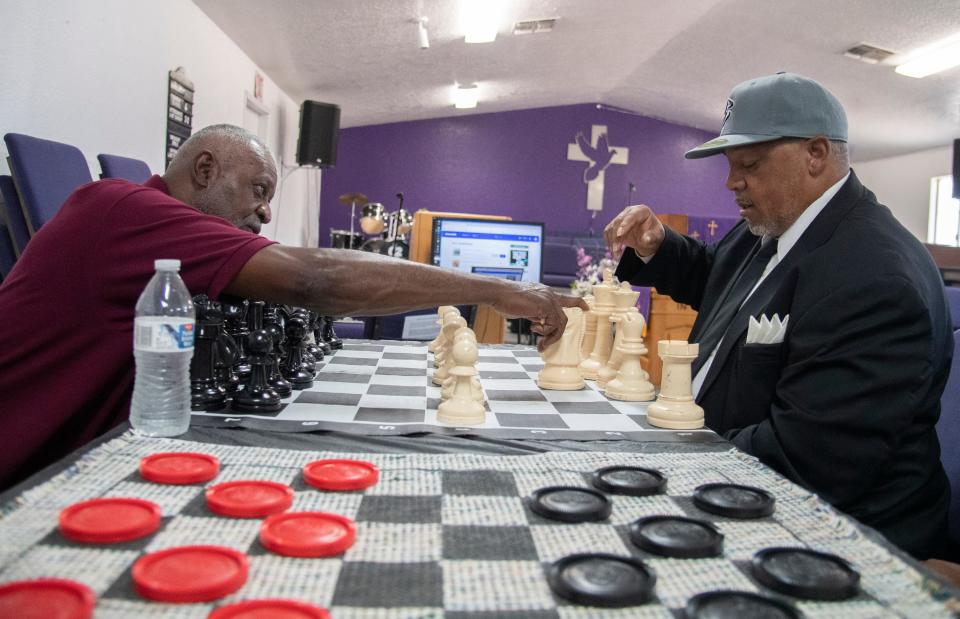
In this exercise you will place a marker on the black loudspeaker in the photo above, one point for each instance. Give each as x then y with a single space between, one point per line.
319 132
956 169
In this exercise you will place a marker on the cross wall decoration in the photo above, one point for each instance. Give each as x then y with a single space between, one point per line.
599 155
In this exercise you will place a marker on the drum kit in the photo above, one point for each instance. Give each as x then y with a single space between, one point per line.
388 230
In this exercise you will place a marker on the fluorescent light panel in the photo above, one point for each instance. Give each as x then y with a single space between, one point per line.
465 97
481 20
934 59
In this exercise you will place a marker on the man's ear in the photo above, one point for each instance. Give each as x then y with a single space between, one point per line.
205 169
818 154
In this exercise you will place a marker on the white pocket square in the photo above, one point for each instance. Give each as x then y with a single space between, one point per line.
767 330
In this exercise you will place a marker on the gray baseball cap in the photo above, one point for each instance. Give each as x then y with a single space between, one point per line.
783 105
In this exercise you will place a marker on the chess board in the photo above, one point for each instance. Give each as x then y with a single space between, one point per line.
378 388
446 535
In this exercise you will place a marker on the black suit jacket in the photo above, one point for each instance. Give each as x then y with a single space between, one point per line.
846 405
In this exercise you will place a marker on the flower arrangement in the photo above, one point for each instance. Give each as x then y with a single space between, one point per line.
590 271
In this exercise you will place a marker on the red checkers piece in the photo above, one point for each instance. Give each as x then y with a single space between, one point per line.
109 520
307 534
179 468
275 609
249 498
46 597
341 474
190 574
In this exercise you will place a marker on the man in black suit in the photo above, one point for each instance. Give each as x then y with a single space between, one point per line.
844 398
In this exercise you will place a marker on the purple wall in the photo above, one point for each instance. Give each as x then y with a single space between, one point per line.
515 163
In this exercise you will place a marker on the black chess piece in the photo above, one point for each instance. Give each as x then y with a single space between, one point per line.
225 356
205 393
313 346
293 366
318 336
235 317
272 325
309 359
329 336
257 395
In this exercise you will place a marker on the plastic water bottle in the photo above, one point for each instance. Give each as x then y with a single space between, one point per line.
162 347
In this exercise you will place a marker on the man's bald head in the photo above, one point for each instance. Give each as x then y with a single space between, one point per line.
226 171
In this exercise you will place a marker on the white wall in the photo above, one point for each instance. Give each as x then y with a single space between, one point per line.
903 184
94 74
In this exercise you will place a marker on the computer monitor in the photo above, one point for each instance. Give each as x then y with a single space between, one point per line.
508 249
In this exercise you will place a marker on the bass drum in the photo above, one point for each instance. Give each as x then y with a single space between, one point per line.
342 239
395 248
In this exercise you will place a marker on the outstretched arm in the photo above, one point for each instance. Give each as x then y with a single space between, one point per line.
343 282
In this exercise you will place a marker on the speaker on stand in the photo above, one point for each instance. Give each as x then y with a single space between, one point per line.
319 133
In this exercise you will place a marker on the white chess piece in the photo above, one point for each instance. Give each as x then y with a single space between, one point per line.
451 322
562 359
589 328
462 408
448 384
675 408
437 342
442 343
604 338
632 382
625 302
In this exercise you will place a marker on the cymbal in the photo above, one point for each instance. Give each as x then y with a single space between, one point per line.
350 198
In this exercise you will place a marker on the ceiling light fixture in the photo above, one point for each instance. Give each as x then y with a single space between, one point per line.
481 20
934 59
465 97
422 33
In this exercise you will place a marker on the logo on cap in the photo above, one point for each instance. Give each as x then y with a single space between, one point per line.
726 113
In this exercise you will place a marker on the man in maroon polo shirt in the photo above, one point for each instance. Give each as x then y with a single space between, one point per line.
67 307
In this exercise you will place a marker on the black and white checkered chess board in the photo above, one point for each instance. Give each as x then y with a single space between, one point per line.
377 388
444 535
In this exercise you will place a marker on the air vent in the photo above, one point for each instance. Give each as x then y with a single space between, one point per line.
871 54
535 26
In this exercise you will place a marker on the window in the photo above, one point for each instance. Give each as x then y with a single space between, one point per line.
943 227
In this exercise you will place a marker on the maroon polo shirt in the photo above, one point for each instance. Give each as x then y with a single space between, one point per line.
67 309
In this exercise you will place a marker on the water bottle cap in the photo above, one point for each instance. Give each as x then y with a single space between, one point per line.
166 265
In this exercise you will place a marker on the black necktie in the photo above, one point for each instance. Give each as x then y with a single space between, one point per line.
737 293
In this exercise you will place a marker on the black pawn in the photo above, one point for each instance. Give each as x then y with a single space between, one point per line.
318 336
293 367
329 336
309 360
225 357
205 393
312 346
258 396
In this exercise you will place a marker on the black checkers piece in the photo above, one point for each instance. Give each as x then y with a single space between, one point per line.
602 580
677 537
738 605
629 480
571 504
805 573
734 501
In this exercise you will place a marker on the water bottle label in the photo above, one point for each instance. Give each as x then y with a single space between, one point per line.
162 334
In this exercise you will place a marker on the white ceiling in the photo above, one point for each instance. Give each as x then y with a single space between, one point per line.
671 60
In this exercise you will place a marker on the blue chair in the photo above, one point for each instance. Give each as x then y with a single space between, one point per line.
45 173
7 256
16 224
953 299
559 264
115 166
948 430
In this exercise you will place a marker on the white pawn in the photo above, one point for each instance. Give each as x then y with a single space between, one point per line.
451 322
632 383
447 391
675 408
560 369
462 408
441 340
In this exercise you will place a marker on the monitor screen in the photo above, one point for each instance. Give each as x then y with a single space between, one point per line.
507 249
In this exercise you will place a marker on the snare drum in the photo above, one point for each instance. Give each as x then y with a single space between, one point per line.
341 239
371 218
